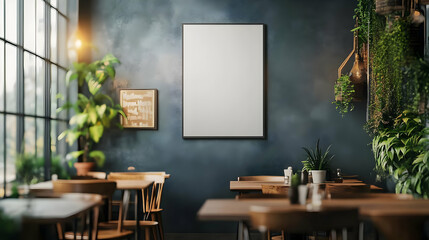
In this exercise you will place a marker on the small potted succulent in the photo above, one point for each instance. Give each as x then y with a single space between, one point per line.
94 112
317 162
293 189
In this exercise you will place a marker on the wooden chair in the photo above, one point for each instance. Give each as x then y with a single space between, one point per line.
264 191
91 176
152 200
342 190
97 175
262 178
298 220
101 187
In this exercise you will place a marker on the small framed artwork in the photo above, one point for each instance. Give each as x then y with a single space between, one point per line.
141 108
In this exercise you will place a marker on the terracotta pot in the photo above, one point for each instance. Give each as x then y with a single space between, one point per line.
82 168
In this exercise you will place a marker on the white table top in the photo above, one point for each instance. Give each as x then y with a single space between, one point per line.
50 210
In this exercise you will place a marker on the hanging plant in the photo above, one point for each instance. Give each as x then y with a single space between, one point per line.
344 91
390 54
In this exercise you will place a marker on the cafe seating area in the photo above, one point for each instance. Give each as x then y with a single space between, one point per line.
214 119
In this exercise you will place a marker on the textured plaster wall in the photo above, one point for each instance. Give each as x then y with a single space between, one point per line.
306 42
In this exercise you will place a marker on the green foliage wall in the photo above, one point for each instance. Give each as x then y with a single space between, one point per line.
399 81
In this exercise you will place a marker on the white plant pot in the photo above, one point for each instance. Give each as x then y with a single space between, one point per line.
319 176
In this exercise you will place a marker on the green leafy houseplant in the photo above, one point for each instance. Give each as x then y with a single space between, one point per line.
9 228
402 152
93 113
30 168
316 160
344 91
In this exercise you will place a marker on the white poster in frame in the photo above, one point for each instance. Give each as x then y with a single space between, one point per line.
223 81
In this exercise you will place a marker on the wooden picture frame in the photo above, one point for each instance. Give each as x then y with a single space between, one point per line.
223 80
141 108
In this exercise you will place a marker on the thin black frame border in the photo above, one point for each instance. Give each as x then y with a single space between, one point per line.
264 91
155 110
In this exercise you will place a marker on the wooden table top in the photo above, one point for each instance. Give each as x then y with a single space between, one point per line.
50 210
45 187
257 185
250 185
377 204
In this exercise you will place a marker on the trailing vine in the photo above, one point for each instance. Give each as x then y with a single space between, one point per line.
389 56
344 91
363 15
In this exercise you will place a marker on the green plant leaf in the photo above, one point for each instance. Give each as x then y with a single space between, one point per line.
72 136
93 86
71 76
92 115
110 59
110 71
65 106
98 157
79 119
96 132
74 155
63 134
101 110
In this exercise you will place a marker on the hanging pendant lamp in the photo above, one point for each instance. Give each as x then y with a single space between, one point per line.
358 72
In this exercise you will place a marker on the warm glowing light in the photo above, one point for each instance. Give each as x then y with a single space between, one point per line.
78 43
416 13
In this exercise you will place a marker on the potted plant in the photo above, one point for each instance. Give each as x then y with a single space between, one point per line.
93 113
317 162
293 189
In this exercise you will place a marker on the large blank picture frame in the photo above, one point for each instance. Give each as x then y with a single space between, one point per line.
223 81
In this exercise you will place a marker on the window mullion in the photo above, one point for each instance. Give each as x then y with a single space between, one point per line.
47 104
4 100
20 76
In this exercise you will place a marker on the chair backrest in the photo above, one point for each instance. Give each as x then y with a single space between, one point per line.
104 188
154 200
343 190
303 221
156 177
262 178
97 175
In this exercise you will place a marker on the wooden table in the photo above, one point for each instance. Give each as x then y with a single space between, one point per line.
243 186
396 218
37 211
257 185
46 189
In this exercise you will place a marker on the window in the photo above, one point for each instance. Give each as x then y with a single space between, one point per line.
33 61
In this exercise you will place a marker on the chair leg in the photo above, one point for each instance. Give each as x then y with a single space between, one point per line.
155 233
264 235
344 235
60 231
160 227
147 234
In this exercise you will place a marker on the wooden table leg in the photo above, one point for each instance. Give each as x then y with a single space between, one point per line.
400 227
138 211
240 230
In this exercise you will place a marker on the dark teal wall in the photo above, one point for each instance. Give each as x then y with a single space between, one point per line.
306 42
